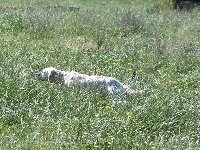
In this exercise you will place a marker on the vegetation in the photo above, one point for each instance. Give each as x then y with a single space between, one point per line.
144 44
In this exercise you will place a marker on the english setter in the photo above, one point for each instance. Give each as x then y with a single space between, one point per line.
103 84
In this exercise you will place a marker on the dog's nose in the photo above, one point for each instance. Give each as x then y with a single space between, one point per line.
37 74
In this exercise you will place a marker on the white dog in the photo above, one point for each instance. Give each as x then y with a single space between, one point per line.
74 79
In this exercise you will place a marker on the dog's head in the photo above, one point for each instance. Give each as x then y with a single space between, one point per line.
49 74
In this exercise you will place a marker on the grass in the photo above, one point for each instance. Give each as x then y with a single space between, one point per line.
146 45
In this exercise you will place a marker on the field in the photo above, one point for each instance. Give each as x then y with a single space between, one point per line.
143 43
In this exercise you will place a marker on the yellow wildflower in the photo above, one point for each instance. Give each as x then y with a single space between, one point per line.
129 116
7 136
191 139
107 107
131 113
114 63
116 113
100 107
130 69
104 69
114 117
137 123
129 63
106 61
140 71
69 41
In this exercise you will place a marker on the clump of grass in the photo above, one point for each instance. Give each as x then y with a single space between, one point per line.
161 6
131 23
11 23
93 25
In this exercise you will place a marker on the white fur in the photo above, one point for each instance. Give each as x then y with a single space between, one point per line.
74 79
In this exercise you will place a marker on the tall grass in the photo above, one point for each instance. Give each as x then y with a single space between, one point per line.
145 45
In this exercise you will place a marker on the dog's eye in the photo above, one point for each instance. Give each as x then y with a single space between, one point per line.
37 74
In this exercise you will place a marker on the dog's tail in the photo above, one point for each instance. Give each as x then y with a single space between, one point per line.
137 92
134 92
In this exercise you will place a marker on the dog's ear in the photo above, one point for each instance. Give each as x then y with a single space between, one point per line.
53 76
